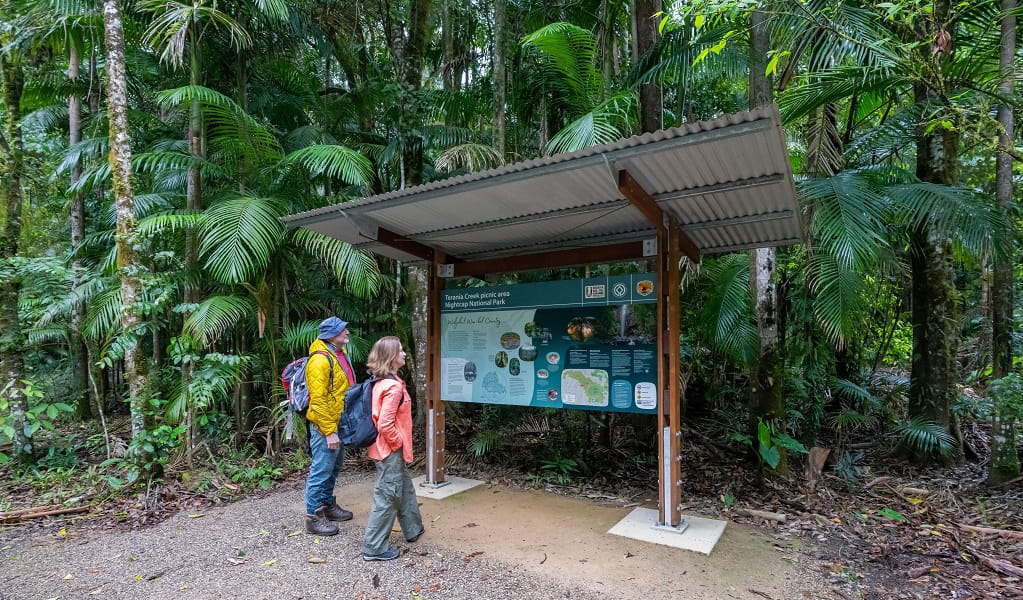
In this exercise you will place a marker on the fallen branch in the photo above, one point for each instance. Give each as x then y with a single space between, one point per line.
759 593
913 491
763 514
21 511
997 565
877 480
1004 532
45 513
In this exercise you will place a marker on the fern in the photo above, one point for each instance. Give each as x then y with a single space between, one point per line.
484 442
927 437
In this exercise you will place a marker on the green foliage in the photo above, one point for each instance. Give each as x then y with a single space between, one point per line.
726 317
147 454
559 469
1007 395
926 437
261 472
43 412
769 441
848 467
892 514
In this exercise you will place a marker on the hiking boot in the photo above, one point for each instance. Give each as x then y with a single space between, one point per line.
317 523
389 554
336 513
416 537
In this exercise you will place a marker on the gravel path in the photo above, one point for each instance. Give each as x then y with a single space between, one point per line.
250 549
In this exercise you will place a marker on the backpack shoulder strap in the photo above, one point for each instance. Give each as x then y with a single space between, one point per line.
330 365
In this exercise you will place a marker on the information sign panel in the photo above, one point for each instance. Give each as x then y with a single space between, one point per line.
583 343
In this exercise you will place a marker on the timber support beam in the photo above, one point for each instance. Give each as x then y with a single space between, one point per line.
645 203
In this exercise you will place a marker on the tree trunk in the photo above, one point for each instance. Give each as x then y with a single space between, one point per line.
448 44
418 283
193 201
1004 459
79 350
500 24
644 35
932 384
129 266
408 52
12 339
194 185
768 403
1001 292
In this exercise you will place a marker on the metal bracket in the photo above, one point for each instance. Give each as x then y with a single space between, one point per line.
446 270
650 247
434 486
681 528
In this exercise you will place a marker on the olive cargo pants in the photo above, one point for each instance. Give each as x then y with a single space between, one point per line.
393 495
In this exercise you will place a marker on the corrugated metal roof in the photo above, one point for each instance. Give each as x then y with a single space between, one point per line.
727 181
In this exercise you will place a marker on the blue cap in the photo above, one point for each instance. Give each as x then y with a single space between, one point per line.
330 327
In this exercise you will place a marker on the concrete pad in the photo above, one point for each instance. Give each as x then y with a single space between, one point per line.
699 536
455 485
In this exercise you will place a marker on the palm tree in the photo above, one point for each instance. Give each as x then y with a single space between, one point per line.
11 336
129 263
944 85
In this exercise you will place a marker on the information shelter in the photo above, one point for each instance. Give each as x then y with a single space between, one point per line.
705 187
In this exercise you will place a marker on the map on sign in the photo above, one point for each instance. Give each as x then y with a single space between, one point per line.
492 388
588 387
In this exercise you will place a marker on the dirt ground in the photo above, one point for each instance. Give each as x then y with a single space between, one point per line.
492 541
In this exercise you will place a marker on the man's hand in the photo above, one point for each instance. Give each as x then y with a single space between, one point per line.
333 442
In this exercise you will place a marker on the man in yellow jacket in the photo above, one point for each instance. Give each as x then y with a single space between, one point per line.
328 376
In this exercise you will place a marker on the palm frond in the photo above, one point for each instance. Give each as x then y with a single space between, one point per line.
47 118
355 269
726 317
94 148
227 120
840 300
175 221
469 156
926 436
297 337
170 27
241 234
834 85
848 216
854 392
570 50
957 213
608 122
53 334
103 315
215 316
334 161
155 162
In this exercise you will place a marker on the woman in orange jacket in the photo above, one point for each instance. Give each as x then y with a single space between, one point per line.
393 492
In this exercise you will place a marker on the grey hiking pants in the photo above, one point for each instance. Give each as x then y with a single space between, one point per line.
393 495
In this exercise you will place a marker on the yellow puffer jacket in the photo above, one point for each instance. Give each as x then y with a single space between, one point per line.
326 398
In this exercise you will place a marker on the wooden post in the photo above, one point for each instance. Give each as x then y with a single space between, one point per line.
671 515
671 243
435 469
664 342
